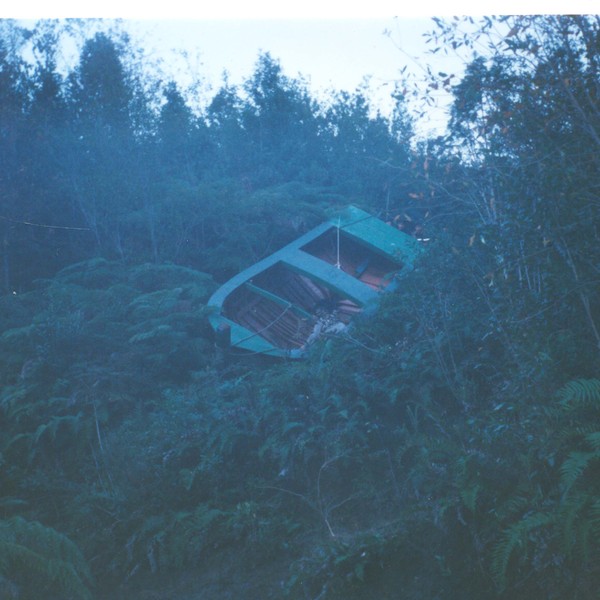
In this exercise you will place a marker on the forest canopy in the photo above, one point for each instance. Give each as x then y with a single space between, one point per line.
447 446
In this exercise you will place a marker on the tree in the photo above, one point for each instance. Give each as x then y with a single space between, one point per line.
367 154
175 130
526 117
279 119
101 87
13 94
101 161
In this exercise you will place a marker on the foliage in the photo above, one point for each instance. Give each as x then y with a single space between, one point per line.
447 446
34 558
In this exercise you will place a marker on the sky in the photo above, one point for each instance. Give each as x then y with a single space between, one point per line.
330 54
287 9
332 45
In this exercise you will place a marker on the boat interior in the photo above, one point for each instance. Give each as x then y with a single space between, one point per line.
285 307
289 309
337 248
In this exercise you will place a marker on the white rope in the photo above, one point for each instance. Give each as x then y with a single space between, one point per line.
42 225
338 264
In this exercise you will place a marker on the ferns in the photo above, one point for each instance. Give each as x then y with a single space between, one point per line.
33 555
469 496
576 397
569 518
580 507
574 467
71 422
516 536
173 539
580 393
211 463
578 530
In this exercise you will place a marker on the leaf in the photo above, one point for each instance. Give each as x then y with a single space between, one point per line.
574 466
593 439
291 426
580 392
513 538
45 555
469 496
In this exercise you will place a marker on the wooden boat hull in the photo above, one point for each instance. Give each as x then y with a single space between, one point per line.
312 287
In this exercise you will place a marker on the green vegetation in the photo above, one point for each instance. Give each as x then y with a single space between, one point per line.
448 446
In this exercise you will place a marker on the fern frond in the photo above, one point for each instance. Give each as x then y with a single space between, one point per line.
516 536
29 549
203 516
574 466
517 504
593 439
568 433
172 539
580 393
189 534
469 496
51 427
595 510
595 518
574 536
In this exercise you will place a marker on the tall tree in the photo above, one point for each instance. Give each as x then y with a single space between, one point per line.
367 155
102 91
102 163
13 93
279 118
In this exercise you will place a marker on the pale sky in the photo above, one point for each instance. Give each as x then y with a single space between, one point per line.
332 45
294 9
330 54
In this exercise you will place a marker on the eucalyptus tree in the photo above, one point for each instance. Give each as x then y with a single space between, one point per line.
103 162
368 154
34 113
175 128
13 94
279 116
